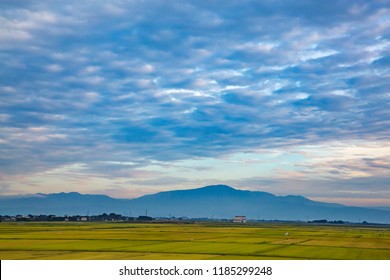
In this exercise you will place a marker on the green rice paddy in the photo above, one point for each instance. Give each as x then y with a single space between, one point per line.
204 241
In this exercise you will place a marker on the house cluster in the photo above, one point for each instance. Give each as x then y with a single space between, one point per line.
75 218
109 218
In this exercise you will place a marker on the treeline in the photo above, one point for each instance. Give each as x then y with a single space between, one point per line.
75 218
326 222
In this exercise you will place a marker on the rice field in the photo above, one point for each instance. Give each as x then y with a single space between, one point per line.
203 241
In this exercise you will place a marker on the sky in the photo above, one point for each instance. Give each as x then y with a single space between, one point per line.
131 97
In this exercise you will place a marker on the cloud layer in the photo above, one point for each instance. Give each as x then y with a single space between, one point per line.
114 90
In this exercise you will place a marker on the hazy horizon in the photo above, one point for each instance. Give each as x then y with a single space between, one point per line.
128 97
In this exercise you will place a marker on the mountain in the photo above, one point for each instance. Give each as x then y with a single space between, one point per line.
218 201
72 203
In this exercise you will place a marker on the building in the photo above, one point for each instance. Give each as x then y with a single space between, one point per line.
239 219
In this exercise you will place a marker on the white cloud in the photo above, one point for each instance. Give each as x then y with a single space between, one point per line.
54 68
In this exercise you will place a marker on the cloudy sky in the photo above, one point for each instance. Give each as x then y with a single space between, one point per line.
126 98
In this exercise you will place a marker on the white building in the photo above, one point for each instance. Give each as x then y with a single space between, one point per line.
239 219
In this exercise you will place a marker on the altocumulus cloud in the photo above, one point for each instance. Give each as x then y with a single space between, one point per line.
136 93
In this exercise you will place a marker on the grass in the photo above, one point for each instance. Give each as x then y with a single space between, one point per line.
77 241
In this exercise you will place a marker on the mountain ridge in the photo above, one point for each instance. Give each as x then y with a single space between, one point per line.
218 201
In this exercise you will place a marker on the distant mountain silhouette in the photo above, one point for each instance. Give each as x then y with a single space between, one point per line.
217 201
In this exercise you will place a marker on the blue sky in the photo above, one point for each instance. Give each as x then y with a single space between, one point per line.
127 98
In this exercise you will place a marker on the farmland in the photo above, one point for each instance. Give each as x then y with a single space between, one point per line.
199 241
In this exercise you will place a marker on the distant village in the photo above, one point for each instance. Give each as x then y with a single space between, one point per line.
112 217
